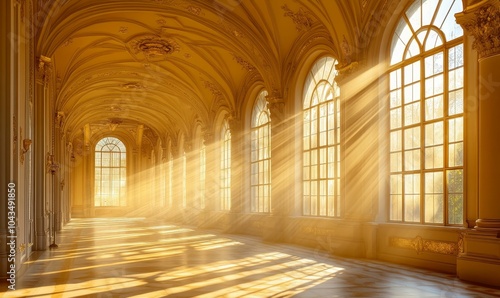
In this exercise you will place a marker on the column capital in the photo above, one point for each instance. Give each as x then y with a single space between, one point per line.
482 21
344 72
44 70
234 123
276 105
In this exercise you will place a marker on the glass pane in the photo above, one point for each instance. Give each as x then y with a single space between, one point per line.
395 98
396 141
412 93
396 118
396 162
433 40
395 79
412 73
456 129
412 138
434 85
434 64
412 113
434 107
412 197
456 155
455 196
456 102
434 133
434 197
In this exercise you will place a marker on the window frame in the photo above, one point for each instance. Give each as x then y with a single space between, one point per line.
423 170
332 184
260 181
116 143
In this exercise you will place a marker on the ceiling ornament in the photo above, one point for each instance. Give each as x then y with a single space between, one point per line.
115 109
67 42
246 65
113 123
302 18
196 10
152 47
123 29
213 89
133 86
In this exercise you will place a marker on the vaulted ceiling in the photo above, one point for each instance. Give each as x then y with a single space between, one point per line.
166 64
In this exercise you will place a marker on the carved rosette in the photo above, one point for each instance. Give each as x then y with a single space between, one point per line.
482 21
276 106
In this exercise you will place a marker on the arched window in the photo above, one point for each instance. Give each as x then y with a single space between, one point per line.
261 156
426 115
225 198
110 173
321 143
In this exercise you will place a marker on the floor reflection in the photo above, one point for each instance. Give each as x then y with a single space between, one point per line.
116 257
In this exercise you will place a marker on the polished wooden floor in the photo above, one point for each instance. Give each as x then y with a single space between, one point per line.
115 257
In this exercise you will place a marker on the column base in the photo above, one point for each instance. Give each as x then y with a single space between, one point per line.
480 260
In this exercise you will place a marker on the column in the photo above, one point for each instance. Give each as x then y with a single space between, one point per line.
282 140
210 182
177 191
191 182
234 220
88 202
40 156
480 259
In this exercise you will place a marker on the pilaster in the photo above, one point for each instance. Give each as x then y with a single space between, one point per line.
282 138
210 179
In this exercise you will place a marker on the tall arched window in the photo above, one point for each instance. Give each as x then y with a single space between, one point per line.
261 156
225 198
110 173
321 143
426 115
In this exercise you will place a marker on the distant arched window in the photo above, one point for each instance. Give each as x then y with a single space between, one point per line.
426 105
321 141
110 173
260 200
225 198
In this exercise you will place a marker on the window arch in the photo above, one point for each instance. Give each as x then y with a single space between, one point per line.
225 198
321 141
426 115
110 173
260 200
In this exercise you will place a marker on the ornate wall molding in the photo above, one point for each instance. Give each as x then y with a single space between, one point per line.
421 245
482 21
